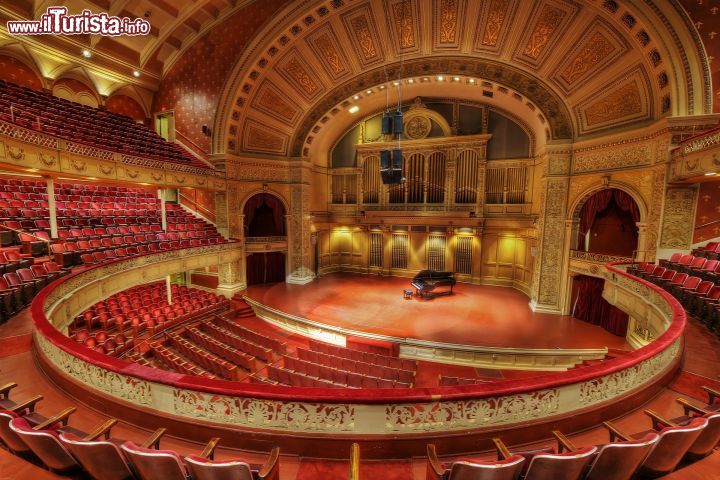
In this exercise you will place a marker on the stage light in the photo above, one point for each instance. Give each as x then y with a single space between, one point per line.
472 80
86 53
368 92
396 83
356 97
710 174
440 78
382 87
457 79
410 80
354 109
136 73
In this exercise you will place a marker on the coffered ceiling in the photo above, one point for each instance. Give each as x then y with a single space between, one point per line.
579 68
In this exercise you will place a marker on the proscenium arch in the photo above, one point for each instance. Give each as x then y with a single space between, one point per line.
663 22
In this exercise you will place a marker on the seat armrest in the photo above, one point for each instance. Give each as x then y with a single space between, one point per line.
434 469
689 407
153 441
5 389
503 452
564 443
712 394
615 432
28 405
103 429
271 469
658 419
209 450
61 417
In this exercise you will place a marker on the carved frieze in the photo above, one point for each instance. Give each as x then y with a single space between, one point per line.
261 138
326 46
678 217
493 24
361 28
271 101
295 69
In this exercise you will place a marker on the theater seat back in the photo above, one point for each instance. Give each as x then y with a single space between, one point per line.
674 442
155 464
508 469
8 436
564 466
708 438
620 460
46 445
101 459
204 469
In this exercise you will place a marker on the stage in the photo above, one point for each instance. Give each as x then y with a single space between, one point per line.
475 315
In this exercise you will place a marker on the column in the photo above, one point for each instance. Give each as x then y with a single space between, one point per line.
300 223
548 286
642 239
168 287
51 206
230 278
163 213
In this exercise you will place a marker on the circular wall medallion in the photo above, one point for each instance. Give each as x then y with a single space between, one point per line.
418 127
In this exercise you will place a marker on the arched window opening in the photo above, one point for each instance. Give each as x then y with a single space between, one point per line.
589 305
608 223
264 216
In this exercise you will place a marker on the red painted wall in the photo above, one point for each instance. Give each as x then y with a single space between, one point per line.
14 71
708 210
193 85
127 106
706 17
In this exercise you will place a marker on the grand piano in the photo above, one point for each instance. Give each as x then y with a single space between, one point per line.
430 283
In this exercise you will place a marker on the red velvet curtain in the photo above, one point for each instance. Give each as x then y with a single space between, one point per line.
265 268
627 203
272 202
599 202
590 306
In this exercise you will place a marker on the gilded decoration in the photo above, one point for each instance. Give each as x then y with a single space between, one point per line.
262 139
418 127
596 51
325 44
678 218
549 270
361 29
625 101
549 21
497 12
404 23
294 69
273 102
447 21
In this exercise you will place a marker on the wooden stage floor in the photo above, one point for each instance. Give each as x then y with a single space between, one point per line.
476 315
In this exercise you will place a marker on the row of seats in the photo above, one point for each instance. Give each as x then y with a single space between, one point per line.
207 360
340 376
257 338
263 353
699 297
18 287
222 350
278 375
648 454
357 366
66 450
367 357
112 325
82 124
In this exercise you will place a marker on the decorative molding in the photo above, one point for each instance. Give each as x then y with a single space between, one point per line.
678 218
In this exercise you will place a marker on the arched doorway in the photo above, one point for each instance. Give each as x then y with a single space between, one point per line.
264 223
608 224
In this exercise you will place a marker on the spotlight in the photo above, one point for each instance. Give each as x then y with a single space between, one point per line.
354 109
440 78
136 73
472 80
456 79
356 97
368 92
410 80
86 53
